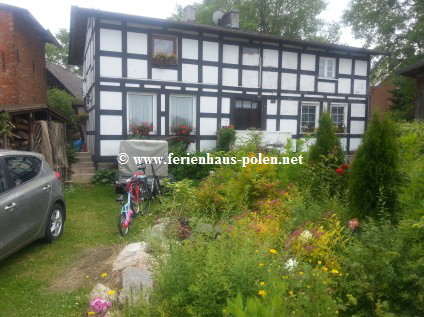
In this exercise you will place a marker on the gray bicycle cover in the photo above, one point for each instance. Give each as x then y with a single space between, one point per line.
143 148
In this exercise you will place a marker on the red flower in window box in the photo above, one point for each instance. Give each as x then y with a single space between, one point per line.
344 166
339 171
181 129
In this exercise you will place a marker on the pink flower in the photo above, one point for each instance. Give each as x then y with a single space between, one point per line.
100 306
339 171
353 224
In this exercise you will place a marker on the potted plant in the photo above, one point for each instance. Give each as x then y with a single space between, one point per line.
163 59
339 128
308 128
181 129
138 131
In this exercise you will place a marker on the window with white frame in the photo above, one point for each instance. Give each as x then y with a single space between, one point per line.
309 117
182 114
141 113
339 117
327 67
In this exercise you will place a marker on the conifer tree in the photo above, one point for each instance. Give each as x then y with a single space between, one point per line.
327 142
374 172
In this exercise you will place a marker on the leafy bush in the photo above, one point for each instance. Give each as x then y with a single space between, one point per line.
71 154
327 142
374 175
105 176
226 139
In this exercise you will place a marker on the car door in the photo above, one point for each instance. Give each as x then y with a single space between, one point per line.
26 202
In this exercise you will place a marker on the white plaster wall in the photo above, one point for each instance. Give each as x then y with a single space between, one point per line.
307 62
360 87
271 125
208 104
271 108
225 122
210 75
208 126
289 107
354 144
110 66
225 105
206 145
288 81
345 66
361 68
270 58
190 49
190 73
110 100
164 74
210 51
269 80
251 59
136 68
329 87
287 125
109 147
110 125
250 78
230 54
289 60
230 77
357 110
357 127
307 83
110 40
136 43
344 86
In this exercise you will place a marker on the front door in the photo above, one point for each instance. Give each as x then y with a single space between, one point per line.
247 114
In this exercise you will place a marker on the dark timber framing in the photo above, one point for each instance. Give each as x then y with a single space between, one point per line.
168 29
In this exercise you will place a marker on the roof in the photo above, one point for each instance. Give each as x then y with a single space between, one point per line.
70 81
412 70
79 17
18 109
24 14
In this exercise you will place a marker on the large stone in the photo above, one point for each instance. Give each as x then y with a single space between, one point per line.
133 255
102 291
136 283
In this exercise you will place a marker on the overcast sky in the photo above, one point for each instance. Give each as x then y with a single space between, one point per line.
55 14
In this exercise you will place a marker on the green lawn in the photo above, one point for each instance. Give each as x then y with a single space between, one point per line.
54 279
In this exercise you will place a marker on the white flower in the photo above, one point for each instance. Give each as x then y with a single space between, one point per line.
290 264
305 235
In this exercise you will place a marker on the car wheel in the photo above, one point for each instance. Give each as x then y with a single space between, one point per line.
55 222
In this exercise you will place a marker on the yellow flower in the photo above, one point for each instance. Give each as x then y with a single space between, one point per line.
256 250
262 283
87 276
334 271
91 313
319 262
262 292
300 273
261 264
111 292
104 275
291 293
273 251
325 269
337 312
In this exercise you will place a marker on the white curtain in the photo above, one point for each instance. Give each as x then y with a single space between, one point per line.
140 109
181 111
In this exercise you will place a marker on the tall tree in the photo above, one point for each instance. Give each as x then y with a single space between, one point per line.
287 18
59 55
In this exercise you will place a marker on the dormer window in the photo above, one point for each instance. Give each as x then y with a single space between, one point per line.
327 67
164 50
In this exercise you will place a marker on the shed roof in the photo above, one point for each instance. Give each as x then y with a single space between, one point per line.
14 109
412 70
70 81
79 17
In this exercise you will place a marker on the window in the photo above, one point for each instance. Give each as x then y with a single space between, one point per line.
22 168
247 114
327 67
142 112
3 181
182 113
338 115
309 117
164 50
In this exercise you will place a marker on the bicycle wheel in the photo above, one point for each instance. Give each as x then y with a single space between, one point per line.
156 189
135 207
145 198
123 229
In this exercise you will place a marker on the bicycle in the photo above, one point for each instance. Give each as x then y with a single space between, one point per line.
139 196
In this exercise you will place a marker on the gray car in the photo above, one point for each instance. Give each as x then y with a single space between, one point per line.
32 204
